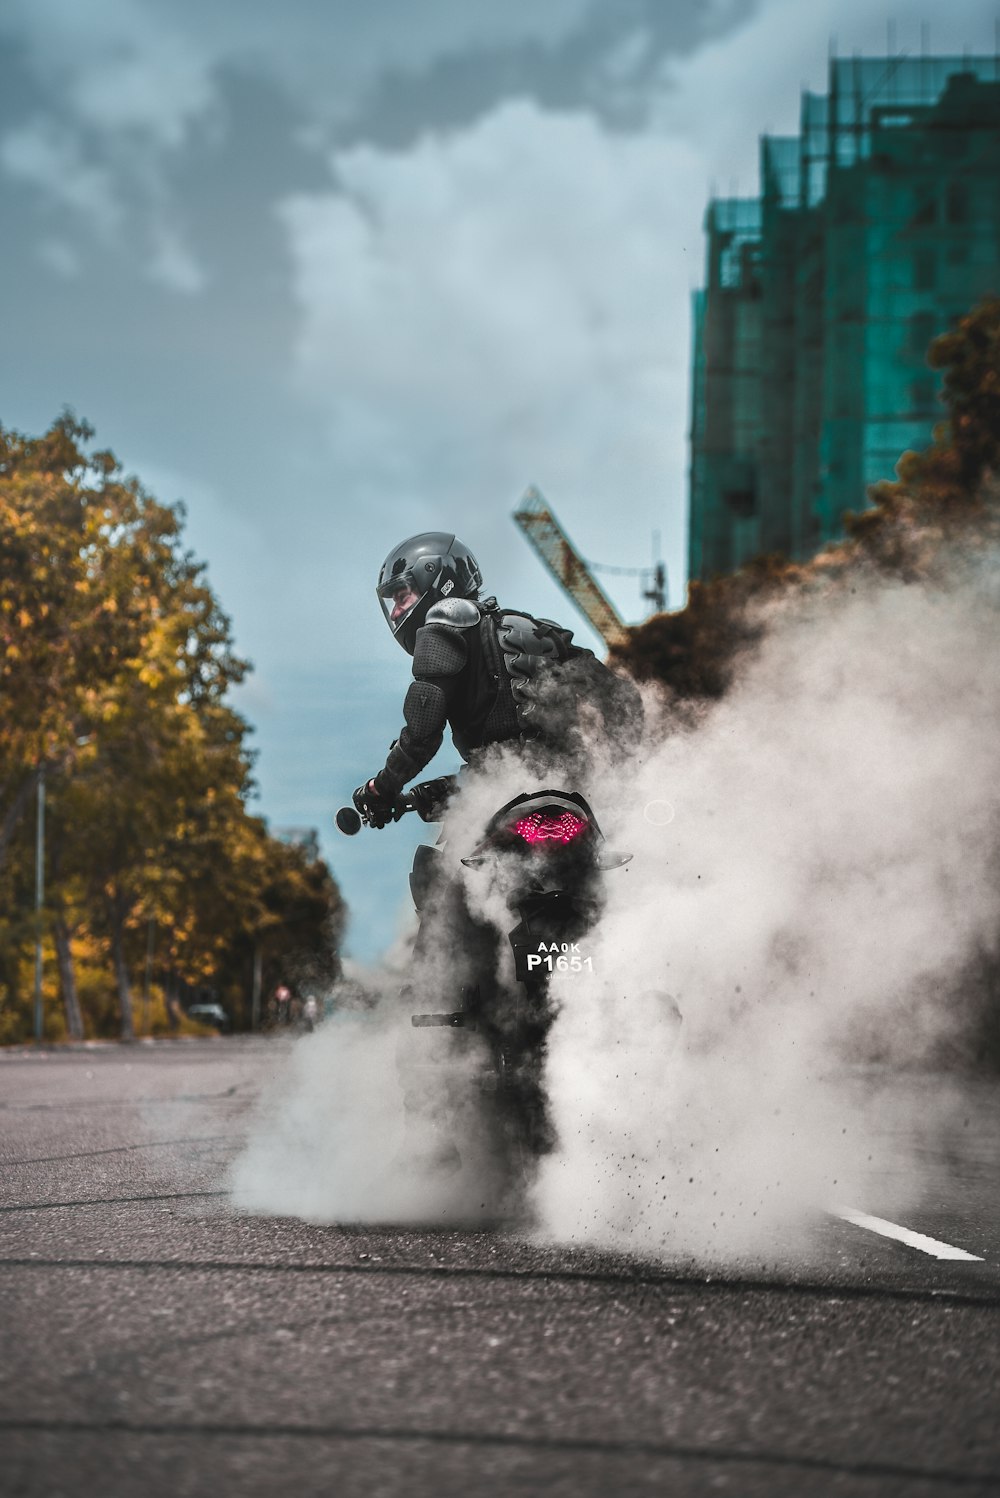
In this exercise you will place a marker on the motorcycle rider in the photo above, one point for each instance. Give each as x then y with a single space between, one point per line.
494 675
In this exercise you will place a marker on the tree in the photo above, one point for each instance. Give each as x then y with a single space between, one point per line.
81 549
117 663
947 492
167 763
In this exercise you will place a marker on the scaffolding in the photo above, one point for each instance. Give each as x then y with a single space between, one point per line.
726 413
877 227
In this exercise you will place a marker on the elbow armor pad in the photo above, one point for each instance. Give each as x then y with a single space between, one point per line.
425 711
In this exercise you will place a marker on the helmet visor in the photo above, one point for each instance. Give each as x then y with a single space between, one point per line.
398 599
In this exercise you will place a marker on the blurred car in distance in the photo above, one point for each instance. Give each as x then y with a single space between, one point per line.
210 1014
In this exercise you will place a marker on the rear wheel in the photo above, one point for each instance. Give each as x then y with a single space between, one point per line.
526 1132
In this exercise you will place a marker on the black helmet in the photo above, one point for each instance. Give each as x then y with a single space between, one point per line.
418 573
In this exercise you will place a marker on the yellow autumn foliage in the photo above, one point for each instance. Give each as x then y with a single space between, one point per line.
115 666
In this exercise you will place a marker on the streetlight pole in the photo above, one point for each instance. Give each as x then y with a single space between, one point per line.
258 961
39 898
147 987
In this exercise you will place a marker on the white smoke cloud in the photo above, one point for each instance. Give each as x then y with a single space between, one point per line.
361 1124
829 871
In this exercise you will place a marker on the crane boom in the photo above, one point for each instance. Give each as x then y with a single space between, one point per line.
568 568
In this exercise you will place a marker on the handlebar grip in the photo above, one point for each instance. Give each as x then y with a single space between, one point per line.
348 820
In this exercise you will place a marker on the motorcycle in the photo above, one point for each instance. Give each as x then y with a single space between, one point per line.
546 854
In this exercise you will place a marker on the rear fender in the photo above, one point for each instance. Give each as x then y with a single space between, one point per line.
424 873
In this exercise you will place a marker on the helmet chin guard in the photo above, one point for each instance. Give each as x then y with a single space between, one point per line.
417 574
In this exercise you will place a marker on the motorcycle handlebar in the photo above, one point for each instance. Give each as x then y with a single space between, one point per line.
350 821
427 799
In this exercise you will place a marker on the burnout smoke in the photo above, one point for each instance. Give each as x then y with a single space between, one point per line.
814 902
814 871
359 1121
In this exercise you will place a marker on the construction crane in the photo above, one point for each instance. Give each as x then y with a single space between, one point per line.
568 568
656 593
655 577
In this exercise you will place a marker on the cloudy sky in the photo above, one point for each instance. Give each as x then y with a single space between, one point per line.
333 274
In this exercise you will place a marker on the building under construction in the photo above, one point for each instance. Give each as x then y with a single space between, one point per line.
878 226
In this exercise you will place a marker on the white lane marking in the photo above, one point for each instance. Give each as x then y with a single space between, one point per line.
926 1245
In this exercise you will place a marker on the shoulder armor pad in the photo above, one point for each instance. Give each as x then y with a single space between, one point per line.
554 624
460 613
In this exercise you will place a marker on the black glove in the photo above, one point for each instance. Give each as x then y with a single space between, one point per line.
376 809
430 797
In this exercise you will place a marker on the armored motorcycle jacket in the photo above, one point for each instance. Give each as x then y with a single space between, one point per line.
493 675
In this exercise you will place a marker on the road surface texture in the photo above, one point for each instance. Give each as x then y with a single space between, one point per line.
157 1342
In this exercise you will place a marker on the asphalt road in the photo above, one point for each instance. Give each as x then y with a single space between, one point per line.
156 1342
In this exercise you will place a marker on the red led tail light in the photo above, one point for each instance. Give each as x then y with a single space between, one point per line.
541 827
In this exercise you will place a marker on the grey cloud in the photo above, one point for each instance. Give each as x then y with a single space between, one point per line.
49 157
59 257
172 382
120 66
332 50
609 65
159 53
173 264
104 120
382 73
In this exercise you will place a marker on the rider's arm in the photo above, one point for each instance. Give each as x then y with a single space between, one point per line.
439 656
